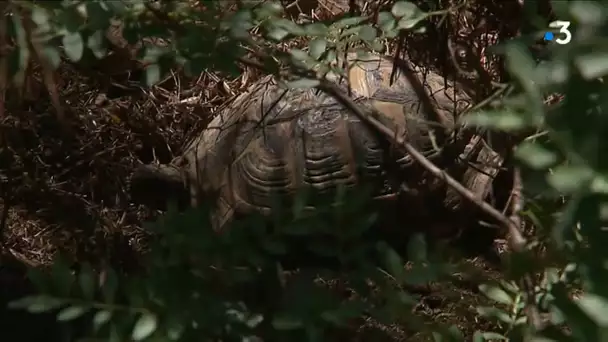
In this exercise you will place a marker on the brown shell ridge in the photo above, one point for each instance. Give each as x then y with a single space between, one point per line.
271 141
326 147
265 170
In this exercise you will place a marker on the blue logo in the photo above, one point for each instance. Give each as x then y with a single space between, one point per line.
548 36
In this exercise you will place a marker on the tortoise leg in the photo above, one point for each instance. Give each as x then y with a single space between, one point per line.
479 175
479 178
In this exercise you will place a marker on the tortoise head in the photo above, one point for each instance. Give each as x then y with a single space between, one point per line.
155 185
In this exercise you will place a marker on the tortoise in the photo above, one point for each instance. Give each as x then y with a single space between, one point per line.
271 142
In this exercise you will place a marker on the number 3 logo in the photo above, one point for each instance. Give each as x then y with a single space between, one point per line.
563 29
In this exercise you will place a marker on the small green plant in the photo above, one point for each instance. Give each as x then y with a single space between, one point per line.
232 285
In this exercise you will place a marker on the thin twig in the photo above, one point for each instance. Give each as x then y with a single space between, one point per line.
7 197
517 241
339 95
419 157
516 206
425 100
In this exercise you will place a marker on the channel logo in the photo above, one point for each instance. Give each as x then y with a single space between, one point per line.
563 35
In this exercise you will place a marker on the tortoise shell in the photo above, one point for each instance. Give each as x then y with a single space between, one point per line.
271 141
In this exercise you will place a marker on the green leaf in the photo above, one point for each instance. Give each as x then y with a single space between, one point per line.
71 313
299 55
592 65
588 13
596 308
393 262
351 31
52 55
63 277
394 32
331 56
317 47
449 334
21 303
153 74
419 30
367 33
405 9
535 155
386 22
417 248
117 7
567 219
509 286
270 9
521 65
144 327
41 17
316 29
496 294
152 54
409 23
101 318
551 72
385 17
303 83
519 61
420 273
278 34
23 51
583 326
285 322
488 336
240 24
506 120
346 22
36 304
73 45
600 184
556 316
95 43
378 46
86 278
570 178
175 331
492 312
109 285
290 26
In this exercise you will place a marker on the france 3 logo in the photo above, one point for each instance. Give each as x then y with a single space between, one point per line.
563 35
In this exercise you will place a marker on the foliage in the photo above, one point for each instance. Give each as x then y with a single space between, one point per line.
563 173
201 285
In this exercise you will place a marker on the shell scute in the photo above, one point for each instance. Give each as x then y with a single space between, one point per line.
276 141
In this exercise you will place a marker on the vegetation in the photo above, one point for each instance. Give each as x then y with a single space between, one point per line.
76 120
